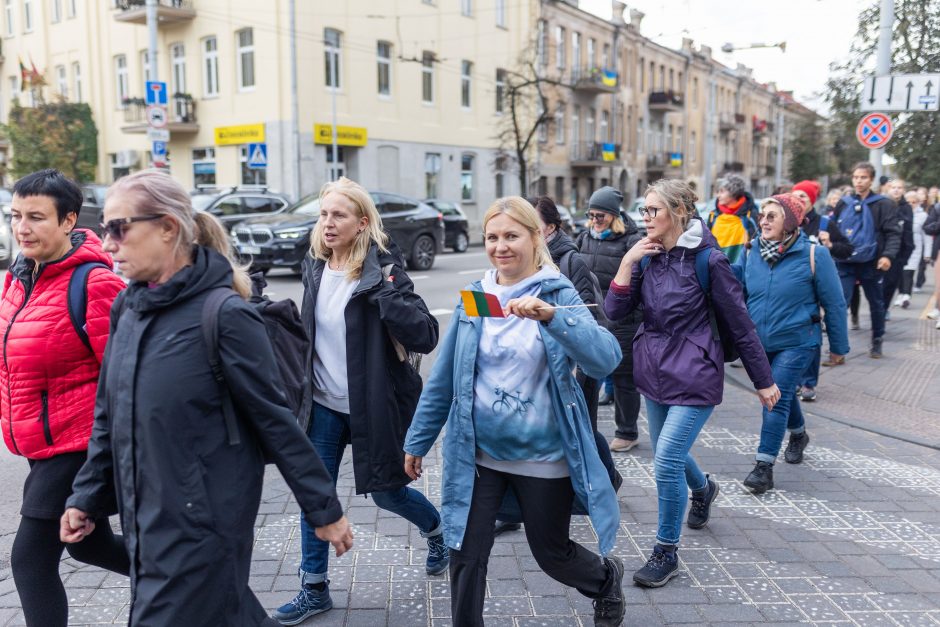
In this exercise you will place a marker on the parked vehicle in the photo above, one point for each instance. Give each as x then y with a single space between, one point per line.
281 240
567 222
92 206
456 226
240 203
6 202
6 244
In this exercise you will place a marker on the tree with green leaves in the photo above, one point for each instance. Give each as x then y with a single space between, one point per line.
59 135
915 50
809 155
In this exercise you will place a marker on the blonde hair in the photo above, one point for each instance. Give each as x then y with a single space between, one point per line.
679 198
365 208
525 214
618 226
155 193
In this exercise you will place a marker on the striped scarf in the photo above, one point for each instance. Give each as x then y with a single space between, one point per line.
771 252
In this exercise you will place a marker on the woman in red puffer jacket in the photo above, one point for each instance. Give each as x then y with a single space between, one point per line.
48 382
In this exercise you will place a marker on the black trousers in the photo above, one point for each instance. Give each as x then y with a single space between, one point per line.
907 282
921 274
856 300
892 281
590 389
626 396
546 512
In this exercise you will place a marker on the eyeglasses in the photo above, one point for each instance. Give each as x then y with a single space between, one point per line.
650 210
117 228
767 217
596 215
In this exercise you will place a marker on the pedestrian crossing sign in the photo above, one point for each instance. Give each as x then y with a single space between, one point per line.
257 156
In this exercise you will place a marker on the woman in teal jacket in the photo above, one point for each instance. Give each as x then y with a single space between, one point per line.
516 417
787 279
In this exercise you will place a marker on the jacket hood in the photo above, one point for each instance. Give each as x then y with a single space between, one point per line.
209 270
695 238
560 245
86 248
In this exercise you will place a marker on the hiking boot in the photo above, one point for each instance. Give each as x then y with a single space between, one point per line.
701 506
308 602
619 445
855 325
808 394
609 609
438 555
502 527
662 566
795 447
761 478
875 351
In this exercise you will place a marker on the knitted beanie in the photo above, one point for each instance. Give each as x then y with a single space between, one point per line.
810 188
793 211
606 199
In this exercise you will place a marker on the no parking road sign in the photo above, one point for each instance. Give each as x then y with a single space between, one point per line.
874 131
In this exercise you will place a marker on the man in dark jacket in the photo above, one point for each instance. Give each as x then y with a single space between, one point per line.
896 189
870 274
603 245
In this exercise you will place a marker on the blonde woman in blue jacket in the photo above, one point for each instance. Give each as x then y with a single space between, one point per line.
516 418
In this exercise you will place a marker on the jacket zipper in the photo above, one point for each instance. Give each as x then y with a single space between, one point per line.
6 337
44 418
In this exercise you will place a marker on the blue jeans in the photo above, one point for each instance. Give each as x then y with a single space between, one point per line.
329 433
811 376
788 367
673 430
872 281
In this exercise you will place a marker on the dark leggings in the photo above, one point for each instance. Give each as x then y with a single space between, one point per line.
35 563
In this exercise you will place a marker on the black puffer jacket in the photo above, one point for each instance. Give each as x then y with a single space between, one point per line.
603 258
378 308
906 222
160 456
562 248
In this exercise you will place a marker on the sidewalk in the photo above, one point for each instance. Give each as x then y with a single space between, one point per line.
851 536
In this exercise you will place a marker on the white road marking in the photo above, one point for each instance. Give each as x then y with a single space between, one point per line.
419 277
481 271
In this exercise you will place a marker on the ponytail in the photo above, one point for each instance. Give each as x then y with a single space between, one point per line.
211 234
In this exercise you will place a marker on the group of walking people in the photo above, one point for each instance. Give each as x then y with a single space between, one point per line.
139 416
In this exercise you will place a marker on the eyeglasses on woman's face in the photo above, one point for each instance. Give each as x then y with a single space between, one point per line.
116 229
650 210
768 216
597 216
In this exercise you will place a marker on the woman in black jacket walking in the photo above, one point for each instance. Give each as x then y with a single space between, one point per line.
362 314
186 484
602 247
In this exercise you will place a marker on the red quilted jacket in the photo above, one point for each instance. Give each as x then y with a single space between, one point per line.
48 377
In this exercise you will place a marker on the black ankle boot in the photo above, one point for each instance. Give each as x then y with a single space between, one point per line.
761 478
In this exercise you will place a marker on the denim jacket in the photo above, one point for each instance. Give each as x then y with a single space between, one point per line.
572 337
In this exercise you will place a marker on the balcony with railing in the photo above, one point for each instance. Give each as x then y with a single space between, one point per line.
664 162
594 80
666 101
730 121
762 128
594 154
181 114
733 166
168 11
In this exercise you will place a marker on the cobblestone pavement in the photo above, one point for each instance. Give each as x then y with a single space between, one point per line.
850 537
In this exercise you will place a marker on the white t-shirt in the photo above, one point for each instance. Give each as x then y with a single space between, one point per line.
330 380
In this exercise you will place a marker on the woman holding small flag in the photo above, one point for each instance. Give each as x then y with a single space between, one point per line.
360 311
516 418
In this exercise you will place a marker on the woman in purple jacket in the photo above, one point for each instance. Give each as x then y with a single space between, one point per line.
678 362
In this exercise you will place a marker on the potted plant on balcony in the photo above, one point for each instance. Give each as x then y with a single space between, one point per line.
185 106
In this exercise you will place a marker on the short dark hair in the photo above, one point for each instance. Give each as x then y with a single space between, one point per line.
547 210
64 192
865 165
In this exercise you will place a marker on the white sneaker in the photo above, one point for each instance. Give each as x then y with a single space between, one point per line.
898 300
905 301
918 290
935 314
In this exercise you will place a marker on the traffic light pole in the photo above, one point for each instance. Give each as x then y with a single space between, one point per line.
883 67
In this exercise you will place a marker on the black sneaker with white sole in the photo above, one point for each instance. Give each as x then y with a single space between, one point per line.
795 447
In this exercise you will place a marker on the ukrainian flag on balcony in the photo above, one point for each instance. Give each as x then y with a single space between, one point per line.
609 78
608 152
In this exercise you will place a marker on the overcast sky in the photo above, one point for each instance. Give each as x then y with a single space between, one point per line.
817 33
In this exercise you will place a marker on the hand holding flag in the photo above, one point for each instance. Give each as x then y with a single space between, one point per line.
483 305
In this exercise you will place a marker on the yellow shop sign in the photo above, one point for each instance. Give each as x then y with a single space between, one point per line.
345 135
242 134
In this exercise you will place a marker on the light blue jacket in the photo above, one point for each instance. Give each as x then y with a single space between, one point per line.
571 337
784 300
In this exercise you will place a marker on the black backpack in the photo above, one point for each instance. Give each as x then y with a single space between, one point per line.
77 298
288 340
565 268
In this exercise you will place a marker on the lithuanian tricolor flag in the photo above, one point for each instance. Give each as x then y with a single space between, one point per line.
481 304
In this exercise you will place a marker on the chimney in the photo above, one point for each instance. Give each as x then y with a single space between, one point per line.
706 51
687 45
636 18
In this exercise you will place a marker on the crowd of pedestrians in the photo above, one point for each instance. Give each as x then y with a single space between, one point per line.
163 399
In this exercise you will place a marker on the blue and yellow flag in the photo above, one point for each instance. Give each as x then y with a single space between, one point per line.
608 152
609 78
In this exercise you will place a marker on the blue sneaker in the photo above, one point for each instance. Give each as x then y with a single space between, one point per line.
438 555
307 603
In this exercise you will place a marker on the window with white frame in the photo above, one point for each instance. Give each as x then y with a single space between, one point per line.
145 66
203 166
605 57
560 47
466 177
14 87
501 13
210 67
692 147
72 8
27 16
432 173
8 14
466 83
560 125
466 7
575 55
576 125
500 90
178 77
332 40
245 57
62 81
591 53
76 82
120 77
427 77
55 11
383 56
543 122
605 125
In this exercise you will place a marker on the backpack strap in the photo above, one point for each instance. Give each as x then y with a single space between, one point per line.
812 259
703 273
210 332
566 263
644 263
78 298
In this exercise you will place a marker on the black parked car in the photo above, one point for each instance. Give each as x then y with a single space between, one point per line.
283 239
92 206
237 204
456 226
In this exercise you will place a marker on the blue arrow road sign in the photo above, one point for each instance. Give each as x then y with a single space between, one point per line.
257 156
158 149
156 93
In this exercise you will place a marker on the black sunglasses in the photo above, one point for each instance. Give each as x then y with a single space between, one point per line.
117 228
596 215
650 210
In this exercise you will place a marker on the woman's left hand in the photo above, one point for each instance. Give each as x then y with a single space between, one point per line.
769 396
531 308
